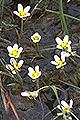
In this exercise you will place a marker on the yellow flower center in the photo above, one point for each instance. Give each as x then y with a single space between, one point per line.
30 95
16 66
60 62
22 13
64 44
35 74
15 53
36 38
66 109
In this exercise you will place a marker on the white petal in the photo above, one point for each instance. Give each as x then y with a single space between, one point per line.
39 74
69 42
9 67
20 7
37 68
59 114
11 55
71 103
14 72
20 49
56 58
69 48
73 53
68 0
66 38
30 75
26 93
70 118
28 14
58 40
32 37
15 47
36 41
53 62
66 54
37 34
16 13
12 61
30 69
20 63
9 48
64 64
59 107
63 53
64 103
59 47
26 9
63 57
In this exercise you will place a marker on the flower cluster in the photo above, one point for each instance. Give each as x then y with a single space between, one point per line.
65 46
14 53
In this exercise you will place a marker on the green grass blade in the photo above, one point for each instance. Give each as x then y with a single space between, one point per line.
63 21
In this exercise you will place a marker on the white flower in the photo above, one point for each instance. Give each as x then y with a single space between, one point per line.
59 62
14 65
30 94
36 37
14 51
34 74
64 44
65 108
22 13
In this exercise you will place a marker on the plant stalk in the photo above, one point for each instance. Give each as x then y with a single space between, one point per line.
63 21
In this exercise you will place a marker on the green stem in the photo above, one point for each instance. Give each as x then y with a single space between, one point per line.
33 10
22 26
37 84
55 118
37 49
2 9
58 13
19 79
74 116
63 21
45 87
55 91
